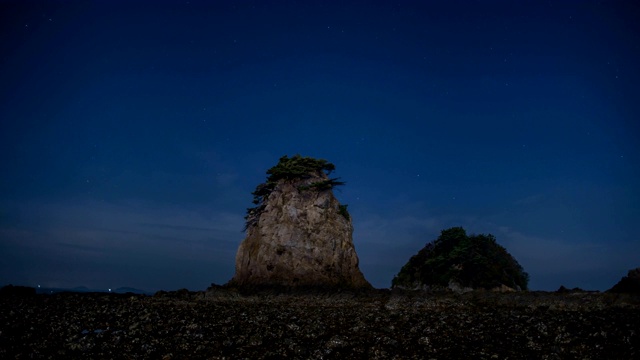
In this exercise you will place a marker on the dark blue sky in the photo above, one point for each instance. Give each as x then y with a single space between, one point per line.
132 135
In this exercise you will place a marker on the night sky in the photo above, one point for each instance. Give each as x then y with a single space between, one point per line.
132 135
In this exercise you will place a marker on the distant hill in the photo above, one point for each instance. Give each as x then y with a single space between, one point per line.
84 289
124 290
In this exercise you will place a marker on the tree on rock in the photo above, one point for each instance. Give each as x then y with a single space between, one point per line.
475 261
295 168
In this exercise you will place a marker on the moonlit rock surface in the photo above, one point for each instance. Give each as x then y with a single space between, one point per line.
300 239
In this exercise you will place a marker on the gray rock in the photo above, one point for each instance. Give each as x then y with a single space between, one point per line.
301 238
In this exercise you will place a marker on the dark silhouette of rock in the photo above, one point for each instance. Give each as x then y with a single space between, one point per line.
564 290
462 263
298 235
628 284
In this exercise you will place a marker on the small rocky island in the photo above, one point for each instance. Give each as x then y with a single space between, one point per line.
298 293
461 262
298 234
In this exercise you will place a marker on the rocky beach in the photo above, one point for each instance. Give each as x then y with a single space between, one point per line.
298 293
374 324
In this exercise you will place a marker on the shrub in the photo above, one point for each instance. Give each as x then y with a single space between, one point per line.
342 210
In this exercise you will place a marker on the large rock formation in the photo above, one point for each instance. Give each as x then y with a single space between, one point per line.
298 234
462 263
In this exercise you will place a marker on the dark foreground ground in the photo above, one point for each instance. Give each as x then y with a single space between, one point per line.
377 325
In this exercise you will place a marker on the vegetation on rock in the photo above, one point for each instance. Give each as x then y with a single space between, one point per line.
475 261
298 167
292 169
342 210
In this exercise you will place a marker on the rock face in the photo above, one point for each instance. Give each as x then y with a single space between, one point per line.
299 235
629 283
